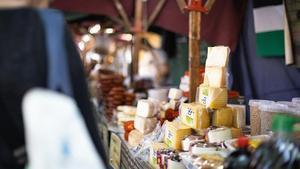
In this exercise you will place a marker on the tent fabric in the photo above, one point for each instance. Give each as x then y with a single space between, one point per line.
261 78
220 27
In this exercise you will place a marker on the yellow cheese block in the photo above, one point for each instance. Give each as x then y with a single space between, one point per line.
239 115
217 98
216 76
236 132
175 133
223 117
154 147
194 115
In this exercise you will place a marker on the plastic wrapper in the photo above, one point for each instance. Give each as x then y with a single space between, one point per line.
142 151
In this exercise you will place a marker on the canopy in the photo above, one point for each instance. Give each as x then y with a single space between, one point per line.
220 27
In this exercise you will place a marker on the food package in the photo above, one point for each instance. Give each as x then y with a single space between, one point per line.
239 115
145 125
175 94
217 56
145 108
154 147
189 141
223 117
134 138
255 120
217 98
175 164
216 77
219 135
175 133
194 115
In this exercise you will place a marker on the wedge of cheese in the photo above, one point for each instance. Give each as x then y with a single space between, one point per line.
217 56
223 117
174 134
216 76
194 115
219 135
239 115
145 125
145 108
134 138
217 98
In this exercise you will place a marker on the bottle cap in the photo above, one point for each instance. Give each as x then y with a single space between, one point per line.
284 123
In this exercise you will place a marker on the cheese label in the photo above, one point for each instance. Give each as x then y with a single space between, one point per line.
189 116
169 138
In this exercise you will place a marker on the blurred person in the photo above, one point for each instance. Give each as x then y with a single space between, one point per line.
23 65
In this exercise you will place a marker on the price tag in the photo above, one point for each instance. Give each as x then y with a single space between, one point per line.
115 151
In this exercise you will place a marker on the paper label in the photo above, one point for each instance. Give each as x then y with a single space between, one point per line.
115 151
189 116
203 95
169 138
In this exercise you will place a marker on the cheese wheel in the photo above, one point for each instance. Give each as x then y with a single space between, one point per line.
134 138
145 125
145 108
223 117
219 135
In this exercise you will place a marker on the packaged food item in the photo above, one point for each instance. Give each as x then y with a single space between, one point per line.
175 133
154 147
209 161
204 148
145 108
194 115
219 135
134 138
217 98
217 56
267 111
175 164
216 77
145 125
223 117
255 115
175 94
239 115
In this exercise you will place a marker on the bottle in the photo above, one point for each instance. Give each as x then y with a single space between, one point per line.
239 159
282 151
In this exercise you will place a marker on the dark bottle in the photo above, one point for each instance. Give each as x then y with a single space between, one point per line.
282 151
239 159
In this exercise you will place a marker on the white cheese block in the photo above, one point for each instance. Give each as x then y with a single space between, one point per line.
145 125
216 76
217 56
219 135
145 108
122 117
203 150
130 110
134 138
175 94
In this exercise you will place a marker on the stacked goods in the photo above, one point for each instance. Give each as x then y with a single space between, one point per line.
112 91
145 120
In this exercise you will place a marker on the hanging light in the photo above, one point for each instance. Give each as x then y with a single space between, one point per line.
95 29
109 31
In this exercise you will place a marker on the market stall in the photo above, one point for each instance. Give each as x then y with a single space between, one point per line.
199 124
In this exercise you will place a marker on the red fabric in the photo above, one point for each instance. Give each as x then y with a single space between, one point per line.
220 27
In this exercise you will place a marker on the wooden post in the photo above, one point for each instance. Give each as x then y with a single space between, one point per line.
137 37
195 8
194 52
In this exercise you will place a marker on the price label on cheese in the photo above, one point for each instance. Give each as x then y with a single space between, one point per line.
169 138
189 116
203 95
115 151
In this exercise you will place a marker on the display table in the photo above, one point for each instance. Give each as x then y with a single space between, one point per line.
127 160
